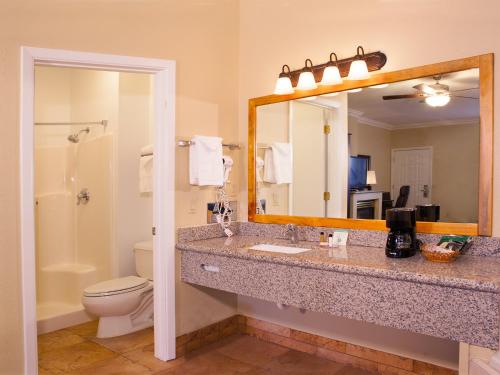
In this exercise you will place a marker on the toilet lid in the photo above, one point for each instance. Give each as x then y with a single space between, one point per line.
115 286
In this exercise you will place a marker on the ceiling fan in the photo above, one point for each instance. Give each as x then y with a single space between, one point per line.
435 95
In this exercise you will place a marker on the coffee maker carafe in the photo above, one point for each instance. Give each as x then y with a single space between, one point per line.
401 240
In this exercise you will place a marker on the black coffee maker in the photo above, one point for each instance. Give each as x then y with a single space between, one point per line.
402 240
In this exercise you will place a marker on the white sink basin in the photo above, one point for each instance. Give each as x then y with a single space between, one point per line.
279 249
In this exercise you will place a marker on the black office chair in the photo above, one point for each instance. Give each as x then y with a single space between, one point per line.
404 192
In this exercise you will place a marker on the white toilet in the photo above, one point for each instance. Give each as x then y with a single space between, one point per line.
124 305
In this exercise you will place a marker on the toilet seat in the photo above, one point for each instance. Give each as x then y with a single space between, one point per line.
116 286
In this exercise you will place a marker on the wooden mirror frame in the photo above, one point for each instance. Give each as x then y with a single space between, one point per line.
484 225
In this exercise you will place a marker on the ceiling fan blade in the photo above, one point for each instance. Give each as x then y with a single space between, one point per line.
470 88
464 97
408 96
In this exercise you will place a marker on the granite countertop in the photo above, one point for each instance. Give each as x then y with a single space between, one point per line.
467 272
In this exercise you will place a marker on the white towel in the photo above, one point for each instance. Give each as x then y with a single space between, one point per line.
278 168
205 161
146 170
259 166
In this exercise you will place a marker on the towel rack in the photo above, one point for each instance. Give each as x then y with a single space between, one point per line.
231 146
102 122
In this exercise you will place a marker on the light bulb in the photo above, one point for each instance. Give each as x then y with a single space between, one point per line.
438 100
283 86
358 70
306 78
331 74
306 81
381 86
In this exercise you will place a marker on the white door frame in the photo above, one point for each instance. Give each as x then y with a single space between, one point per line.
164 174
430 148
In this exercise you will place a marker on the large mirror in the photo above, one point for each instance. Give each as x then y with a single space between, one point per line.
353 154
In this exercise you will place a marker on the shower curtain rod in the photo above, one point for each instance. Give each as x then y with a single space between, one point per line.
102 122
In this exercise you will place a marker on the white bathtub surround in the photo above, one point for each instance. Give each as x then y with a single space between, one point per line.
205 161
68 258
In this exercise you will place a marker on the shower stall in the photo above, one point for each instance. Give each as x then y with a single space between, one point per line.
73 217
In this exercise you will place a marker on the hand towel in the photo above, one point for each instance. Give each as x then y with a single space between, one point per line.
146 170
278 168
259 166
205 161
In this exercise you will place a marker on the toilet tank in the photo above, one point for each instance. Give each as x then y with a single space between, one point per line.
143 253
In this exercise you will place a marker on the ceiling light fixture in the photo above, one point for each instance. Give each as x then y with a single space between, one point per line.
284 84
437 100
331 74
358 69
306 78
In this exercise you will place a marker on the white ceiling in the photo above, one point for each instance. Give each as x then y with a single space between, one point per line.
369 107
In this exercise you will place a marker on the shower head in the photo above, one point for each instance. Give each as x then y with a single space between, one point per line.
75 137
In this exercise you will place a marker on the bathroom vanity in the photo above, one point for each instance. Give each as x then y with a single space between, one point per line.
458 301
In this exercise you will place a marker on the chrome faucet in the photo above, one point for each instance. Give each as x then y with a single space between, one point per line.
293 233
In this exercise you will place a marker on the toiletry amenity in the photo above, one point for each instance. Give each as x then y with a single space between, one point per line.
401 240
330 240
205 161
322 239
340 237
278 164
456 243
146 169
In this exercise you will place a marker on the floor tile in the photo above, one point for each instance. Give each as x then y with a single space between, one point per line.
114 366
127 343
57 339
73 357
297 363
250 350
85 330
209 363
145 357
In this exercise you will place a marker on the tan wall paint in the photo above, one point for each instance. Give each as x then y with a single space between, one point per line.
288 31
455 166
201 36
376 142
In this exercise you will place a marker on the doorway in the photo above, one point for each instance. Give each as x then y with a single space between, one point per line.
163 72
412 167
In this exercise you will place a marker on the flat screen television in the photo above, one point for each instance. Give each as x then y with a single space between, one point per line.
358 168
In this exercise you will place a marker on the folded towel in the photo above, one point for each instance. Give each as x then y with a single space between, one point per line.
205 161
146 170
278 168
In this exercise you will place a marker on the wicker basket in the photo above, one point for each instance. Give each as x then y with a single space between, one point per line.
431 253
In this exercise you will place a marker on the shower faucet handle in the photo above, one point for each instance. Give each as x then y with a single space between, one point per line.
83 196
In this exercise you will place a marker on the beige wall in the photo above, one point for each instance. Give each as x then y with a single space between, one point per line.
376 142
203 39
455 166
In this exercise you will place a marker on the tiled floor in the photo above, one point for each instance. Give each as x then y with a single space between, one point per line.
75 350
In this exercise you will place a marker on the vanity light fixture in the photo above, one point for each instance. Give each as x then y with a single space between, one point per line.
306 78
358 69
331 74
437 100
284 84
309 98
